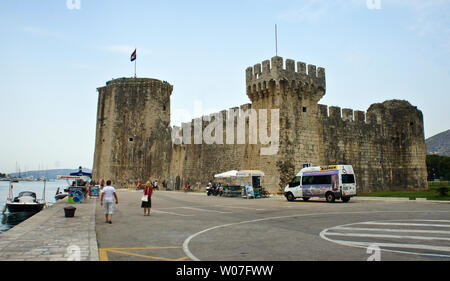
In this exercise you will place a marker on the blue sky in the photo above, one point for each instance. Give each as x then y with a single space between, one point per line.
53 58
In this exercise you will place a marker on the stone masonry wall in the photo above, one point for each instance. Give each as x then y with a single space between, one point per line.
133 132
386 148
385 145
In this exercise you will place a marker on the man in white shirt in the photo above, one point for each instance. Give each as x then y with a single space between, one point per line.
108 195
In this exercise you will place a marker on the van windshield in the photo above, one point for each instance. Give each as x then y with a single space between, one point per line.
295 182
348 178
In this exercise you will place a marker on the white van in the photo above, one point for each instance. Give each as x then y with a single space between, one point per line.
331 182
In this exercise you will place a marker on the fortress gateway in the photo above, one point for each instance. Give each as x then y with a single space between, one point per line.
385 145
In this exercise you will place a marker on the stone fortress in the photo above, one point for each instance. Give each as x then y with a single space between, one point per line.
385 145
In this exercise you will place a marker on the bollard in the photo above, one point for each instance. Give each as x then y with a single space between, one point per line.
69 211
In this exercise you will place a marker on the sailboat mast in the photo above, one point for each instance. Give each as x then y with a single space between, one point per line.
45 186
10 190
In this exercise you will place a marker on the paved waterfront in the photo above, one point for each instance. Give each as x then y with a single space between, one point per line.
50 236
192 226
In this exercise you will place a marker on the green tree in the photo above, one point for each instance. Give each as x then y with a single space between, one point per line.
444 167
438 167
433 166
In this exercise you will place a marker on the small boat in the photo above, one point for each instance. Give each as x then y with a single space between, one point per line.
26 201
60 195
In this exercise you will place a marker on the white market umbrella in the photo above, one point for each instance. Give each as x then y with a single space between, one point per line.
249 173
228 174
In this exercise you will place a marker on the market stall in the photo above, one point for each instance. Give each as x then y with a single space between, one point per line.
229 190
252 189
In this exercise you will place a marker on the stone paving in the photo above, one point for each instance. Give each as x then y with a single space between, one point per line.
50 236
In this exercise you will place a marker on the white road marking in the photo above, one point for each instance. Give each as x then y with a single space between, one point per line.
180 207
171 213
426 220
363 232
386 236
194 258
404 224
398 245
205 210
236 207
393 230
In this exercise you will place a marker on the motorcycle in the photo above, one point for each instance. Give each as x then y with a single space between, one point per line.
214 190
209 190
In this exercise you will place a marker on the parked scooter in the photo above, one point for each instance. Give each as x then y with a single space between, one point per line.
220 190
212 189
209 189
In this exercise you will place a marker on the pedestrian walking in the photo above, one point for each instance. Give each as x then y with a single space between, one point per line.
108 196
147 198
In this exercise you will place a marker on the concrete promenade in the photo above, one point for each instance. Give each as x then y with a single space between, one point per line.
50 236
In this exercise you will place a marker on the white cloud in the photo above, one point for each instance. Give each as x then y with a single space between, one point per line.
39 31
125 49
430 18
419 5
311 11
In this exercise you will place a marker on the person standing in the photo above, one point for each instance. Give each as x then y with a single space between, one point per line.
108 195
147 203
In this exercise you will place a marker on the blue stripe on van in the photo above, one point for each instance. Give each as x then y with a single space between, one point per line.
321 173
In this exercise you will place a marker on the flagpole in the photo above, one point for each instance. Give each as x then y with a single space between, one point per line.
135 64
276 41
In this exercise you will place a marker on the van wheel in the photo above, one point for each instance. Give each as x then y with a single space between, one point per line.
306 198
345 199
330 197
290 197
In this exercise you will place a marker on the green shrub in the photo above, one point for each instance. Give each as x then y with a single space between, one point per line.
443 190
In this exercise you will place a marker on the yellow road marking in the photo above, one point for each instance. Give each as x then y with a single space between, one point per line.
145 248
103 253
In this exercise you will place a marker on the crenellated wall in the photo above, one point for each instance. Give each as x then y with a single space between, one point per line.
385 144
133 131
198 163
386 149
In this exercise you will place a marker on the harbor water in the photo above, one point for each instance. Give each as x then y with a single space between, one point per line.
9 220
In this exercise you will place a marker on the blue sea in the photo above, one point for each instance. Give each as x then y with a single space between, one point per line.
10 220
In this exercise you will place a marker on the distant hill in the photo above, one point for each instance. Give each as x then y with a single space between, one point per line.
439 144
49 174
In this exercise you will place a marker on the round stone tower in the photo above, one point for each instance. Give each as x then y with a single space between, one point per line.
133 139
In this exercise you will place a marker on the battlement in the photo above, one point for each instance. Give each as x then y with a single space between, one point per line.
184 133
139 82
262 78
346 114
377 113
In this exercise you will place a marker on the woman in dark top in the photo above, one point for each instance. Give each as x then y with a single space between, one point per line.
148 191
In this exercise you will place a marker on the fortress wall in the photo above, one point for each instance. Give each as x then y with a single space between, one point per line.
385 150
385 145
295 89
133 136
197 164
